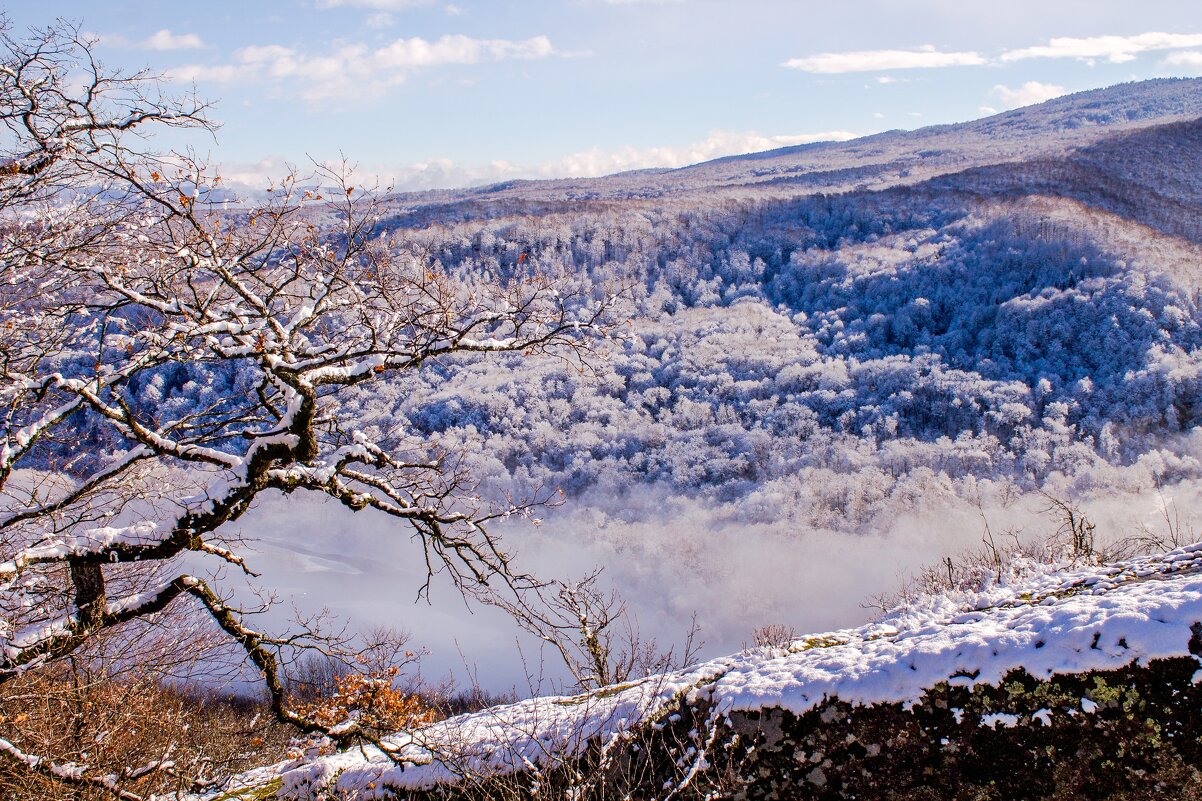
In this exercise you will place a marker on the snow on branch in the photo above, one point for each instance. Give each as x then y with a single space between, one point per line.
166 358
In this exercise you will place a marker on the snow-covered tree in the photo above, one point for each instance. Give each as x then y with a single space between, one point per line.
166 355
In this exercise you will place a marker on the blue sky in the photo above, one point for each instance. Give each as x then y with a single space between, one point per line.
429 93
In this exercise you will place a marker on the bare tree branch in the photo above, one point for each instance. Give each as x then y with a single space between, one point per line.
120 267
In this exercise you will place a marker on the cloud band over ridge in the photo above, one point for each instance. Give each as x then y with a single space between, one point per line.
1115 49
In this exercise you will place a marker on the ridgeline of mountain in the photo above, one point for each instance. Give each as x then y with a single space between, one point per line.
1047 130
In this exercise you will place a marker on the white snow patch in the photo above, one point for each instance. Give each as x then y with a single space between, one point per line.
1002 719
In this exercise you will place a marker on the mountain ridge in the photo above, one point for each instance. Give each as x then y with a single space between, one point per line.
883 159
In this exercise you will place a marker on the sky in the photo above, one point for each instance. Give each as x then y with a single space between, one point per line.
428 94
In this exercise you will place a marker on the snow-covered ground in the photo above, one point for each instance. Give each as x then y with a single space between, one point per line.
1060 620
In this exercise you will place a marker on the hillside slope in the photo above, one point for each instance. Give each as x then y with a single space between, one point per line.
1094 657
871 162
1041 313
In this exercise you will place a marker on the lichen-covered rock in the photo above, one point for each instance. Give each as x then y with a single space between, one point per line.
1134 733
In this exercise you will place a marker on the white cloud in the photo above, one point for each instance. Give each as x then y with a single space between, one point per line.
217 73
253 175
643 2
1028 94
1190 60
596 162
441 173
166 40
1116 49
381 19
356 70
878 60
380 5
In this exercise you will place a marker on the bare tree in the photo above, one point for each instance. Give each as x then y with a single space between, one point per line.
1075 531
118 266
593 632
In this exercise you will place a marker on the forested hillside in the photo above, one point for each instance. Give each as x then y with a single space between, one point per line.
998 322
816 362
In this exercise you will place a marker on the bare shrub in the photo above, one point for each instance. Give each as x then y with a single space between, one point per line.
594 634
147 735
1075 533
1073 539
1173 532
773 635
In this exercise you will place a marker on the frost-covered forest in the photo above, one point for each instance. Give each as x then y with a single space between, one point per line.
958 337
828 355
898 333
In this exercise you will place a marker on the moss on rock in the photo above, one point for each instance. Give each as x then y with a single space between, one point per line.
1134 733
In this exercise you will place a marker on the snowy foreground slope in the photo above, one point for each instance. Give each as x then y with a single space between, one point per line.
1060 623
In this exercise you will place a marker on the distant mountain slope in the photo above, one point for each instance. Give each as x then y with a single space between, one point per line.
1152 176
1070 659
1048 128
877 161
